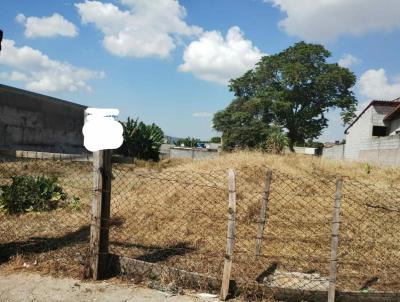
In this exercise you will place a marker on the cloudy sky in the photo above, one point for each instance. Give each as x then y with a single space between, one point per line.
169 61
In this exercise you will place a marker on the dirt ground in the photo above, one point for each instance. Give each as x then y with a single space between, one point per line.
29 287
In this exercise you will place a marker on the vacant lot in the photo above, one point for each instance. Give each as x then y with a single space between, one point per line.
178 215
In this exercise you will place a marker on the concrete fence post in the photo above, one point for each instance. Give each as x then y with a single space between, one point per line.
100 218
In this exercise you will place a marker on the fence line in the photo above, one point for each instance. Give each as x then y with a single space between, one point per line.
281 232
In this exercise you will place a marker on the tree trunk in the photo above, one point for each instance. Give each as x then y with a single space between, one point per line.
291 144
291 137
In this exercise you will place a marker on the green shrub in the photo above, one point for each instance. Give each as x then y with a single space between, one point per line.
30 194
76 203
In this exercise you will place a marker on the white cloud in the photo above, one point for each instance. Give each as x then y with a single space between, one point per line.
40 73
348 60
374 84
147 28
14 76
215 58
55 25
325 20
202 114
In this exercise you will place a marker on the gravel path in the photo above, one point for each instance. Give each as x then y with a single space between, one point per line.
29 287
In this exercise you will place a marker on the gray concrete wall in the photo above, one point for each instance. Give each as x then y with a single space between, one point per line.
180 152
381 150
335 152
378 113
34 122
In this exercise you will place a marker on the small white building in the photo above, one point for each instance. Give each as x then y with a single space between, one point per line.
375 134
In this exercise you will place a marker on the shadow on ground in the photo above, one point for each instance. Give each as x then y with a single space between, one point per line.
38 245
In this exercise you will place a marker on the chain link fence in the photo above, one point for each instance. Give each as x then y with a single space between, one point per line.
177 221
172 218
369 240
53 237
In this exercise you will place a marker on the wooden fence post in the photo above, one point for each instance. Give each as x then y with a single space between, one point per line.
335 240
230 239
263 213
99 228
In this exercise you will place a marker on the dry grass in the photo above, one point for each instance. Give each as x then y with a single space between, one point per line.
159 212
296 164
174 212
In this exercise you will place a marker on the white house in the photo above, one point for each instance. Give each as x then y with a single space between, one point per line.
375 134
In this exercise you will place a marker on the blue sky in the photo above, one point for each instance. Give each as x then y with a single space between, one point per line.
168 62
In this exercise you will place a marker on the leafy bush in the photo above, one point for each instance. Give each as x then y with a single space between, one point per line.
188 142
276 141
30 194
141 141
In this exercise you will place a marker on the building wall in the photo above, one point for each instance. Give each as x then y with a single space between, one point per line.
34 122
362 146
382 150
378 113
394 126
335 152
358 135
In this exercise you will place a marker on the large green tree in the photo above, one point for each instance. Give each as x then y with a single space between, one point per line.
292 90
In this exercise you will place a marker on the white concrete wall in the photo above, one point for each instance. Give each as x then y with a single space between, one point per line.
335 152
359 133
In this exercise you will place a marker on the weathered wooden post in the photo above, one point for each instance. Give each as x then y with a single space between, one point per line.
335 240
99 228
230 239
263 213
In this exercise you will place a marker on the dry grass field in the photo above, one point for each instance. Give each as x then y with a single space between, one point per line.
175 212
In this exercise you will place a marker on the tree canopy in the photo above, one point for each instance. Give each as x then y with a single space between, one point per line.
293 91
215 139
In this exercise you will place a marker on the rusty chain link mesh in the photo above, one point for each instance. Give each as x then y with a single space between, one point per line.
172 218
369 240
295 244
177 221
51 241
